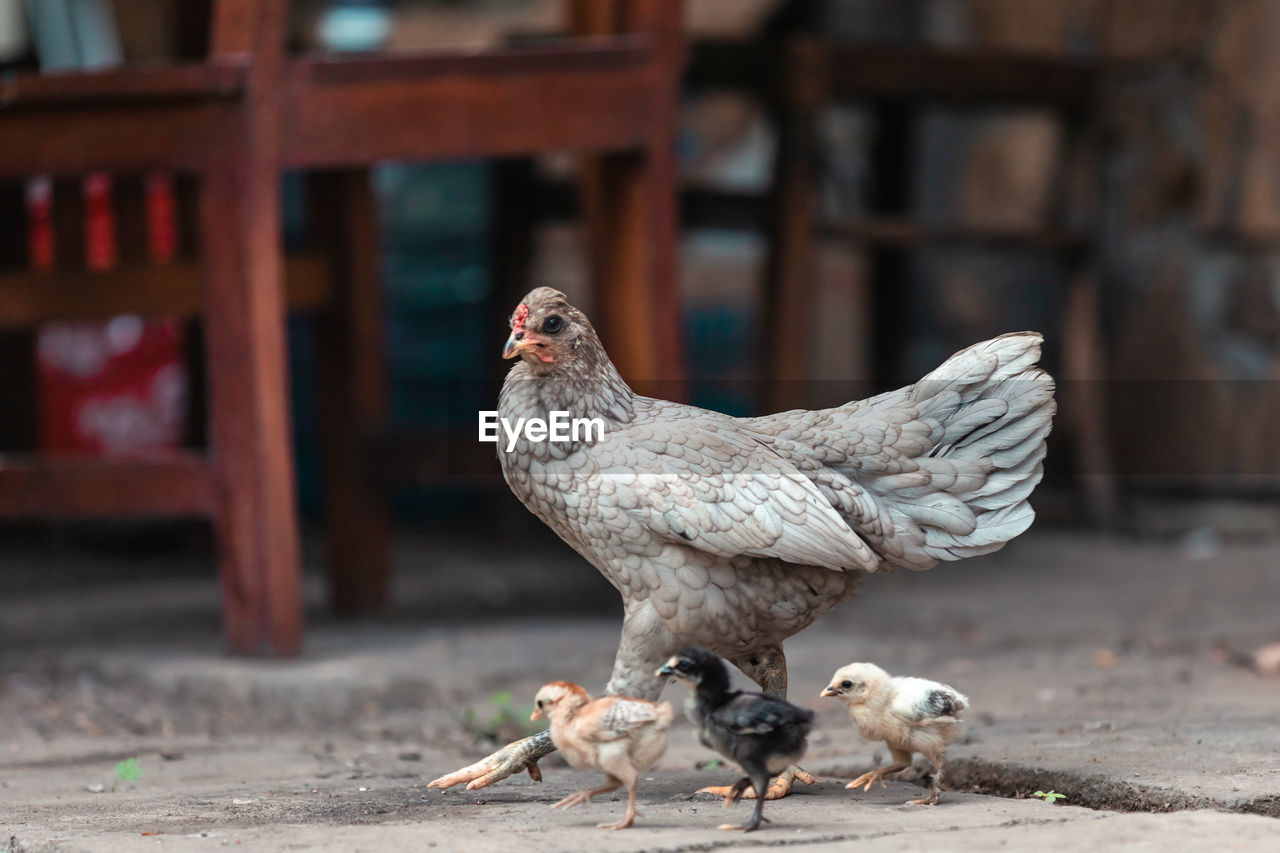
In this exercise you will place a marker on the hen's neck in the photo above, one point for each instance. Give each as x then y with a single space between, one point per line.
589 387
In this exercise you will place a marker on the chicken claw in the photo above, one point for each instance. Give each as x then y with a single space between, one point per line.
522 755
778 788
869 778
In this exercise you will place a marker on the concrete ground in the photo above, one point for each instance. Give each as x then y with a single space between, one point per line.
1095 667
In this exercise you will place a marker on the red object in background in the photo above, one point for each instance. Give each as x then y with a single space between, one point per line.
113 387
118 387
40 239
162 219
99 223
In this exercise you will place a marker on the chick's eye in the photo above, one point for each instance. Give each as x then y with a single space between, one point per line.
552 324
846 684
541 703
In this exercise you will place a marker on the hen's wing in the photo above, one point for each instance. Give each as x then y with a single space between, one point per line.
757 714
939 470
919 702
693 478
612 718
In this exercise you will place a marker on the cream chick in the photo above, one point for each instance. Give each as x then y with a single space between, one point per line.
909 714
621 736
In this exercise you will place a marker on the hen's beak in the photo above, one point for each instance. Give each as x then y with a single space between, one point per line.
829 691
519 342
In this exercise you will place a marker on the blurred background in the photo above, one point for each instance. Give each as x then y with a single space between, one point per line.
862 187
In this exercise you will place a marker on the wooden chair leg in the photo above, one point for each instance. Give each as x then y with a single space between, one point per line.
1085 369
353 392
630 210
786 321
248 408
628 204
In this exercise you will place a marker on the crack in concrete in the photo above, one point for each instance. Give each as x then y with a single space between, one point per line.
1018 781
737 840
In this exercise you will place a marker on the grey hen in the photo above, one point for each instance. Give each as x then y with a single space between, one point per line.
735 533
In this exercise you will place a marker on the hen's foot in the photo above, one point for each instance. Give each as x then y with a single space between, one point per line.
931 800
622 824
521 755
778 788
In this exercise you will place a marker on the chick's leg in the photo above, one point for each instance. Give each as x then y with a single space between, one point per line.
512 758
757 815
629 777
901 761
579 798
769 670
935 784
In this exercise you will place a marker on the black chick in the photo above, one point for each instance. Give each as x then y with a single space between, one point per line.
763 734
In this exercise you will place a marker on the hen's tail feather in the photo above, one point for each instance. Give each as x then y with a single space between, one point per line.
1007 447
939 470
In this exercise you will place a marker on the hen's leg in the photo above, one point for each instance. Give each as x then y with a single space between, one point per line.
641 651
769 670
512 758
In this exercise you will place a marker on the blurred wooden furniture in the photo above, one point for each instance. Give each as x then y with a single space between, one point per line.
236 121
895 81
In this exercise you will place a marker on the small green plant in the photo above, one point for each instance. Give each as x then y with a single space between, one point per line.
1051 797
507 723
128 770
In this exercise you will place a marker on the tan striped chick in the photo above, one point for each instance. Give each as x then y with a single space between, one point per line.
621 736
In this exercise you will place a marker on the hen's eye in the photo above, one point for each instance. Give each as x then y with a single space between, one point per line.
552 324
846 684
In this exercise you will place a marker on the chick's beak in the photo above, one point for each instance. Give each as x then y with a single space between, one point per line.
665 670
536 715
829 691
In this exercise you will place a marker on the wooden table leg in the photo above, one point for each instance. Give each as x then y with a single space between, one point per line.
249 431
353 391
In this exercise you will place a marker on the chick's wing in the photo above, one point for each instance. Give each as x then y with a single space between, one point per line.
612 718
755 714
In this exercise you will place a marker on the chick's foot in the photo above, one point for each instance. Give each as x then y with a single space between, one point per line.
873 776
522 755
778 788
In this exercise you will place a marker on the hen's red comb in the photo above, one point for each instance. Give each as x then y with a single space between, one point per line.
518 319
